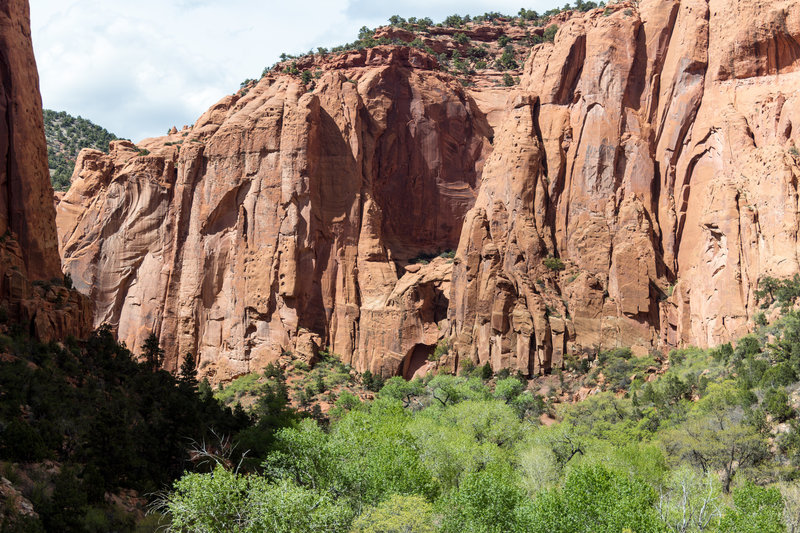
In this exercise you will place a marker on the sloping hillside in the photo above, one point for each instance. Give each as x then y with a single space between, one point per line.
66 136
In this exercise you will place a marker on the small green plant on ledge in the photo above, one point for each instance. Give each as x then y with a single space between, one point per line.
550 33
553 263
442 348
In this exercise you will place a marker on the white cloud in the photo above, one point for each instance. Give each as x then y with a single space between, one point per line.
138 68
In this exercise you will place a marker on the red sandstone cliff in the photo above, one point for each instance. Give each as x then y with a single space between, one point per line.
650 148
28 245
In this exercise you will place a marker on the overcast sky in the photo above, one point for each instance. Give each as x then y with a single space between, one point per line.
139 68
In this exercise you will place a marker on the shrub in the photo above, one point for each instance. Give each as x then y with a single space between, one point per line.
778 375
503 40
553 263
442 348
461 38
756 509
597 499
372 382
398 513
776 403
508 81
507 59
466 367
550 33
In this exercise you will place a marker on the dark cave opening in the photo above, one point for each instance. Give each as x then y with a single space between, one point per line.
416 359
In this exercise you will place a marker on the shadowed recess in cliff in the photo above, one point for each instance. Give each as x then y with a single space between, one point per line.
426 171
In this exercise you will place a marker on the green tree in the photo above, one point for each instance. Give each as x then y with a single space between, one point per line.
486 501
718 435
226 501
152 353
188 374
776 403
397 514
595 499
508 389
755 510
486 371
402 390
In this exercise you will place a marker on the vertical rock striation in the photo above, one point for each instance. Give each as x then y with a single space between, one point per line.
631 190
279 220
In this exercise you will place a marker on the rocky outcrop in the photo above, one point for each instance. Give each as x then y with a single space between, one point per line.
631 190
283 217
31 282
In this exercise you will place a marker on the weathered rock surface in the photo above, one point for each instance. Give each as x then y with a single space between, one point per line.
26 197
28 237
651 148
658 163
283 218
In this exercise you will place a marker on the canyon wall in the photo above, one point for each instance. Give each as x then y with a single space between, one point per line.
31 281
631 190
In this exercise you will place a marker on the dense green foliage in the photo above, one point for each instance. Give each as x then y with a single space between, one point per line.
66 136
696 446
109 421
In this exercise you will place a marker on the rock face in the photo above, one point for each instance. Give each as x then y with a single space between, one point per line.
277 222
28 241
631 190
26 197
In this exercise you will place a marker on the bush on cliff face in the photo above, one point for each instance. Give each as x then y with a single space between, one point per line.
553 263
550 33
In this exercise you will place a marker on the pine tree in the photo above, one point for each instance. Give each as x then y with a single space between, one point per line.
486 371
152 353
188 374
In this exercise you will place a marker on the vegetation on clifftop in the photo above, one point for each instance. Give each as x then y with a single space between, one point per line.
66 137
535 28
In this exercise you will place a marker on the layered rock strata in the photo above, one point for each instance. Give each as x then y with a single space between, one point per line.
631 190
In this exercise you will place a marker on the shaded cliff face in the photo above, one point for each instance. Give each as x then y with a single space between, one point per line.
26 197
28 241
650 148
